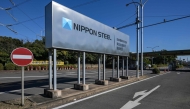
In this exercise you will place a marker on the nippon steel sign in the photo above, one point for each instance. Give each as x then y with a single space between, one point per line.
70 30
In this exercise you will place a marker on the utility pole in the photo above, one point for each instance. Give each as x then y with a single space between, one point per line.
137 62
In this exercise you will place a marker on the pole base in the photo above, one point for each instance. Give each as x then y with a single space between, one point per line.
52 93
115 79
101 82
124 77
81 87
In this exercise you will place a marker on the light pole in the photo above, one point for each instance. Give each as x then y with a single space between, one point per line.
142 6
152 51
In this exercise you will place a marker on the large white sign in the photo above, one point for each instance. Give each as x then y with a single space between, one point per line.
68 29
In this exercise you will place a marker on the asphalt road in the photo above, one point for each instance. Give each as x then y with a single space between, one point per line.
168 91
36 81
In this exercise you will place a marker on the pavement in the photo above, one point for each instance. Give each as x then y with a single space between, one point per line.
166 91
36 83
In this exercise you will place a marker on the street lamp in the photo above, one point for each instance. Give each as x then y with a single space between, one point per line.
152 51
142 6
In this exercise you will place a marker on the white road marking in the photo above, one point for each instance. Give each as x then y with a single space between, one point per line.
24 77
22 56
85 73
9 77
139 93
42 76
70 72
14 91
68 104
132 104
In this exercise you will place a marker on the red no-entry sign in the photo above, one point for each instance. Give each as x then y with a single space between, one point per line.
21 56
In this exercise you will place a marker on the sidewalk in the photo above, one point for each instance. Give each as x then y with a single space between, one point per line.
69 95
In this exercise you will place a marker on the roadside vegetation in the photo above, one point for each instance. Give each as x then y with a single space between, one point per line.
156 70
7 44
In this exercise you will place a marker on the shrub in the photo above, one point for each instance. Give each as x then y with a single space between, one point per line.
161 65
74 66
1 67
10 66
155 70
154 66
18 68
179 66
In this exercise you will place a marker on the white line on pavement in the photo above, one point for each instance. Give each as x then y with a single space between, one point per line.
20 77
68 104
14 91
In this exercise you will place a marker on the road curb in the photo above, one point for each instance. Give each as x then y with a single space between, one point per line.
82 94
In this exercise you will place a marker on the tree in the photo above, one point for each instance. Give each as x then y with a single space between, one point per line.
7 45
160 59
38 49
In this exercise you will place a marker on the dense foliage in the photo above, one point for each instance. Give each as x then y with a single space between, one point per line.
7 44
155 70
10 66
1 66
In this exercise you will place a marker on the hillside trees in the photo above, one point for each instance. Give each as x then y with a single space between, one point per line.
7 44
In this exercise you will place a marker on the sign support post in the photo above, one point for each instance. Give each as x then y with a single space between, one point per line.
99 61
117 66
78 70
54 70
113 68
22 85
50 69
83 68
127 74
123 66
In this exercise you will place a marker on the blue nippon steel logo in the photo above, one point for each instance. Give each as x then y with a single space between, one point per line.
67 23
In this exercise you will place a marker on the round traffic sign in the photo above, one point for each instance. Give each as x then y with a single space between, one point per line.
21 56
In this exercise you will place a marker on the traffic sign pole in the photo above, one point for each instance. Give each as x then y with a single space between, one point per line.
22 57
22 85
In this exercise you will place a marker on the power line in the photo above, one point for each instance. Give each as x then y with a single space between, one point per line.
126 19
14 5
8 27
11 15
126 26
29 29
29 18
165 21
18 3
12 2
85 3
44 15
167 16
15 18
25 13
